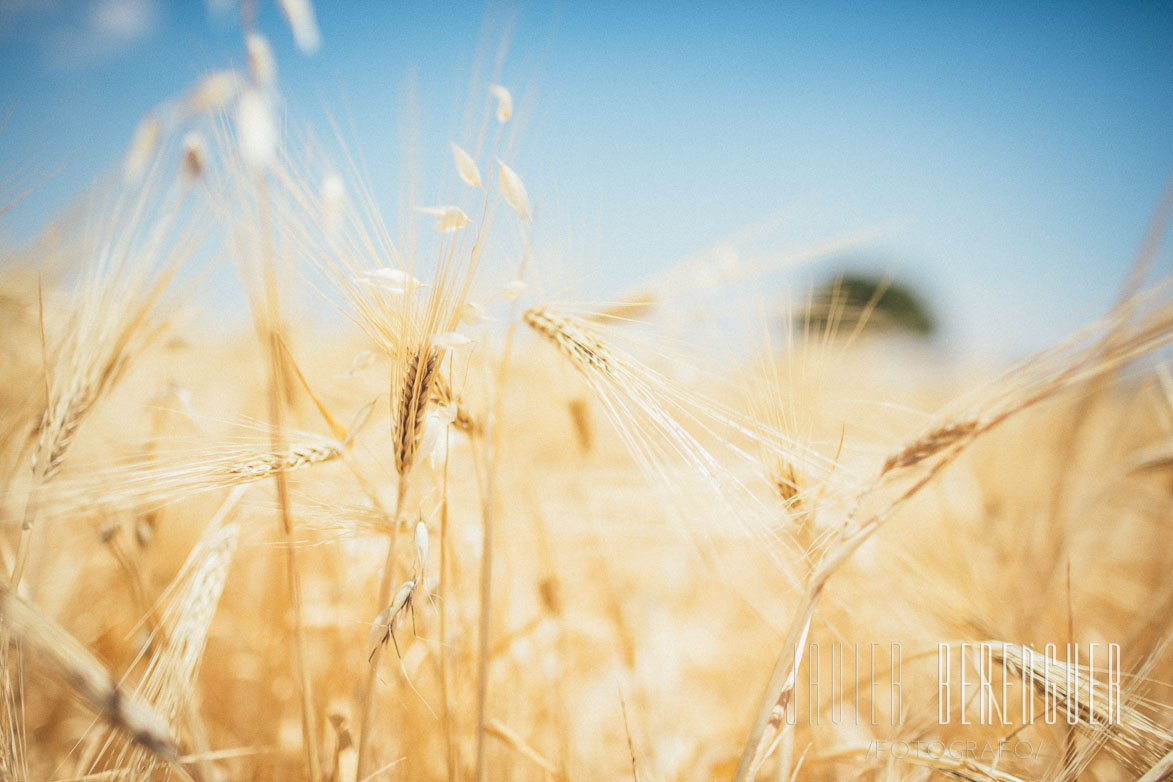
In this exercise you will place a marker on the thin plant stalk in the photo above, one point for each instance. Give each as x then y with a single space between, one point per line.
368 703
445 669
486 585
293 582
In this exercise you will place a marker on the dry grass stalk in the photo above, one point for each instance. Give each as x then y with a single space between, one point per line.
253 212
1134 737
960 767
772 722
413 380
514 741
345 766
1161 771
630 740
13 755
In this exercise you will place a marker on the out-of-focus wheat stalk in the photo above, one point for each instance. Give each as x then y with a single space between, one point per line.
169 679
114 318
85 676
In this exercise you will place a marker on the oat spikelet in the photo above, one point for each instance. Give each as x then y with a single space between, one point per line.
419 375
256 128
262 65
303 23
444 396
215 93
504 102
64 655
512 291
466 167
514 191
195 155
142 149
448 218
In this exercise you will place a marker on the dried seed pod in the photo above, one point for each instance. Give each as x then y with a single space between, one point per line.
448 218
513 290
421 546
514 190
504 102
391 280
390 618
451 340
303 23
466 167
195 155
262 66
256 128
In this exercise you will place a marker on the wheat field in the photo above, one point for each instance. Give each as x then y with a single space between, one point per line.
416 518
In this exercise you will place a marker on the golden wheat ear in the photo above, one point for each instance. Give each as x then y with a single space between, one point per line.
146 236
1126 334
148 483
148 233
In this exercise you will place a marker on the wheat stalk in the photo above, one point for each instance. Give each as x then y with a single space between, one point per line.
85 676
146 484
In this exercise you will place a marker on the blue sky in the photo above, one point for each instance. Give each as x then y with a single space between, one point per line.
1013 153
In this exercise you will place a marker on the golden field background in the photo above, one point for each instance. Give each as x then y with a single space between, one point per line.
606 547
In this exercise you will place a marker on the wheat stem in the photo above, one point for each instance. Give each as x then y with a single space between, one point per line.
272 313
445 668
384 599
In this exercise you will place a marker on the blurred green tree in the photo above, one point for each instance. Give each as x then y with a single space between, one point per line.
856 300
